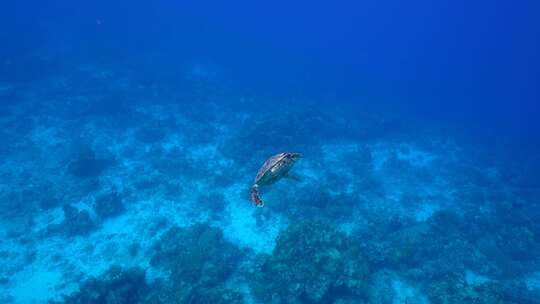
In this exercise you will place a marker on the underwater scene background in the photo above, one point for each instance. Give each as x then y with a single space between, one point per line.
132 131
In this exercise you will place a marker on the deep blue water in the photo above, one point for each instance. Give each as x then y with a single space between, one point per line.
132 133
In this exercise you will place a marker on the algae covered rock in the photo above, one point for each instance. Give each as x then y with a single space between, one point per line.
292 129
87 164
77 222
116 286
109 205
199 261
312 263
453 289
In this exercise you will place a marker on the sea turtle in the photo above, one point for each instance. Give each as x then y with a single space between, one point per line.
271 171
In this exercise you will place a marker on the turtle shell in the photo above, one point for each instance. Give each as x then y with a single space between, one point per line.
273 169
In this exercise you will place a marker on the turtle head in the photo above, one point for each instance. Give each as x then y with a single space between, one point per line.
294 156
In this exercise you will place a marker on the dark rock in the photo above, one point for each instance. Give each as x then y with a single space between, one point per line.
116 286
200 261
109 205
219 295
76 222
518 243
381 290
293 131
453 289
311 263
315 203
87 164
517 292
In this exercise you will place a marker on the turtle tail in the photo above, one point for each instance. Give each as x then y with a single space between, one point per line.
255 196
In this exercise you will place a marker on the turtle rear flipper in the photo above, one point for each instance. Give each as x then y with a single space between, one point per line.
255 197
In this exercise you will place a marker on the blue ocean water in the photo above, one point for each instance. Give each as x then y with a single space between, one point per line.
132 133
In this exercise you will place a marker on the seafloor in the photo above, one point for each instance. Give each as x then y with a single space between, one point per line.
121 187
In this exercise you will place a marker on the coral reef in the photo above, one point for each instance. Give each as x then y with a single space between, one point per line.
311 263
87 164
109 205
199 261
516 291
76 222
315 203
116 286
292 131
453 289
107 166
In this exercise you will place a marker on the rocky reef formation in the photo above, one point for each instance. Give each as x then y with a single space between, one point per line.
87 164
109 205
311 263
116 286
199 261
453 289
432 217
292 131
76 222
437 254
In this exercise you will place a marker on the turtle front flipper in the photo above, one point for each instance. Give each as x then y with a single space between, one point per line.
255 196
